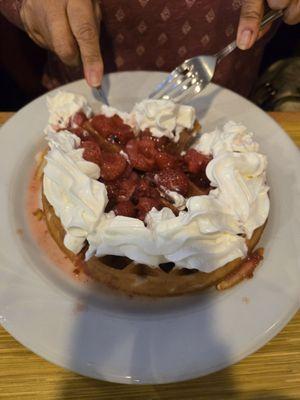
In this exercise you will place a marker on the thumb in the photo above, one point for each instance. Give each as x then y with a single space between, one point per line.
250 18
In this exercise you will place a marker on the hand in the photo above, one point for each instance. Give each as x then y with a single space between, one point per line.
70 28
252 12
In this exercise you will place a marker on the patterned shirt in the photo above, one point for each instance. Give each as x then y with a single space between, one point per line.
159 35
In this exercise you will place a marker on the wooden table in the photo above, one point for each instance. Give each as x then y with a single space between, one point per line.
271 373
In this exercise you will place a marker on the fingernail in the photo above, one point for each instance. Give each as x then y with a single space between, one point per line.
245 39
93 77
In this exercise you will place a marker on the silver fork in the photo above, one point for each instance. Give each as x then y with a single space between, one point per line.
193 75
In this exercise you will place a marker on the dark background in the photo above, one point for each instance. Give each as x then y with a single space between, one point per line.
22 62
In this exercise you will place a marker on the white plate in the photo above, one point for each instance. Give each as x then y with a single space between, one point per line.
115 338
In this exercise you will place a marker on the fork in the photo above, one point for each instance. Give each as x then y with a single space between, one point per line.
194 74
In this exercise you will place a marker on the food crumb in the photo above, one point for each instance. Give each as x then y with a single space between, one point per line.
246 300
20 232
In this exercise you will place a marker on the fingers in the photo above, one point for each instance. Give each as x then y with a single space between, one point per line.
248 29
292 13
61 38
291 7
29 22
47 25
83 24
278 4
70 28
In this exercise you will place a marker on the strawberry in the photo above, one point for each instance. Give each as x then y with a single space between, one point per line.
165 160
160 142
78 119
173 179
91 152
113 128
142 154
145 189
127 187
125 208
196 162
145 204
113 166
102 125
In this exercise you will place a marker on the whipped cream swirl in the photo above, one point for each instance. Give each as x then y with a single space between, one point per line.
62 107
163 118
206 235
238 172
71 187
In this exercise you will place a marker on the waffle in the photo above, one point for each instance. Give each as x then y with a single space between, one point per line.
122 274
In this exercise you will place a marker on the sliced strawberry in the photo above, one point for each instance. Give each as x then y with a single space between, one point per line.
78 119
165 160
142 154
127 187
145 204
128 170
92 152
113 128
125 208
113 166
102 125
145 189
122 189
147 147
173 179
160 143
196 162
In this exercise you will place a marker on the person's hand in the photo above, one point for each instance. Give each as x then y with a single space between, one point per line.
252 12
70 28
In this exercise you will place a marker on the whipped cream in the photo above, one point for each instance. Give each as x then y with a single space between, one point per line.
63 105
178 200
163 118
238 172
206 235
232 137
71 187
109 112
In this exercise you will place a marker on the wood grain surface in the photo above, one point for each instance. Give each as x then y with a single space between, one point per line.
271 373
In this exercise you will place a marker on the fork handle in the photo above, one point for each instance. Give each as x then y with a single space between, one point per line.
267 18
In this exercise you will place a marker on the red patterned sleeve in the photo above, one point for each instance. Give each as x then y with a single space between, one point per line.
11 10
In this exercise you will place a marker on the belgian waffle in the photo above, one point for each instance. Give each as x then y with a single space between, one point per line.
123 274
127 276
